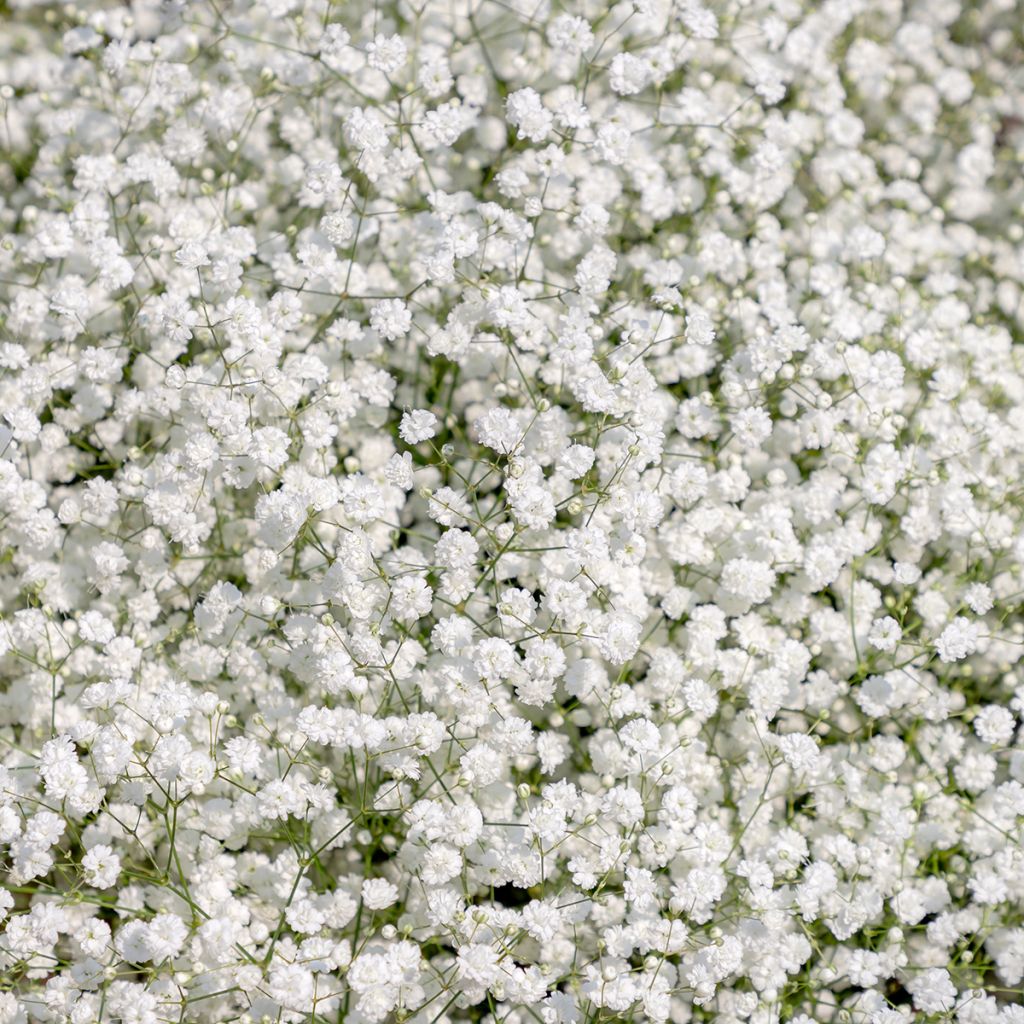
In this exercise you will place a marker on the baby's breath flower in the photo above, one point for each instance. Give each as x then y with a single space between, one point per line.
511 511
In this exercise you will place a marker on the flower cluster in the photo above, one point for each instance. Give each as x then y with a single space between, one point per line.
511 511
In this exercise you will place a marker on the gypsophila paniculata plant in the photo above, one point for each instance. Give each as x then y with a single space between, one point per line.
511 511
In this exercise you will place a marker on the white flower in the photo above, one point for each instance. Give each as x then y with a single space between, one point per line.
378 893
995 725
391 318
979 598
957 640
478 964
386 53
885 634
418 425
192 255
525 111
101 866
933 991
800 751
628 74
511 507
748 579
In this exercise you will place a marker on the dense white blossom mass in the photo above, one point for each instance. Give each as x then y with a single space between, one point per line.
511 511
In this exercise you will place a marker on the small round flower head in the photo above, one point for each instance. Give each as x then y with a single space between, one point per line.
749 579
994 725
391 319
526 112
933 991
957 640
386 53
418 425
979 598
378 893
101 866
885 634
